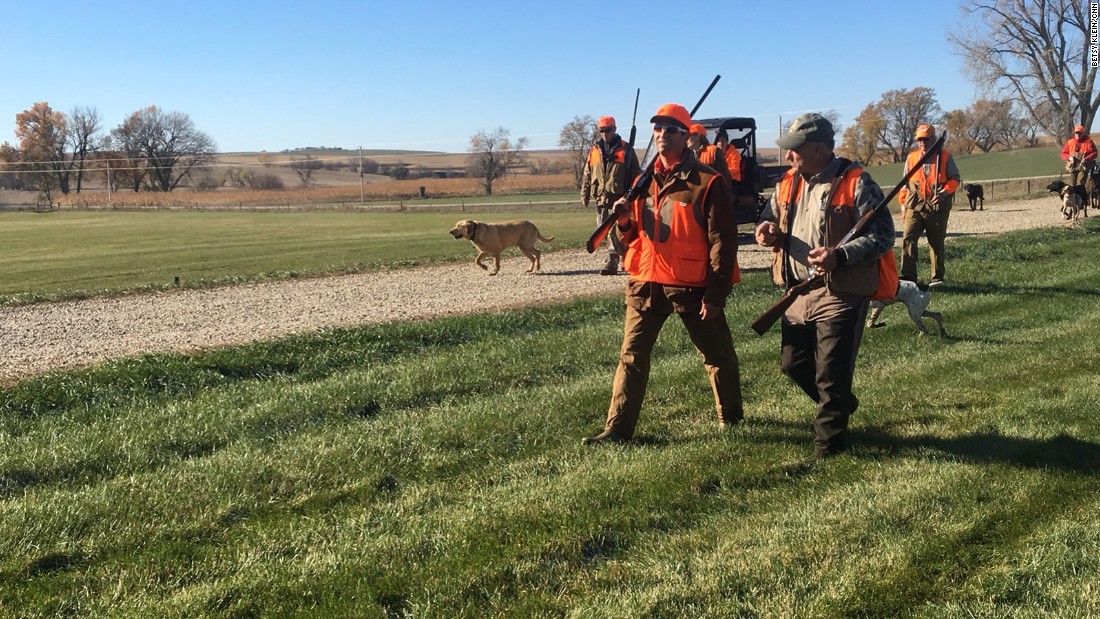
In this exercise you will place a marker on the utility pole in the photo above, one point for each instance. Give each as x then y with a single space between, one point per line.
109 183
361 189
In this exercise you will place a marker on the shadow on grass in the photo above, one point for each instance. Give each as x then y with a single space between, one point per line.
987 288
1059 453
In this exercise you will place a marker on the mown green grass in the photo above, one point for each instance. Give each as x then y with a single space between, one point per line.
985 166
434 469
74 254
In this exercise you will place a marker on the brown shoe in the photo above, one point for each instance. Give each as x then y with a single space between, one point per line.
603 438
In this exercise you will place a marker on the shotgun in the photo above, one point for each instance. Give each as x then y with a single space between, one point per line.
634 121
640 183
773 313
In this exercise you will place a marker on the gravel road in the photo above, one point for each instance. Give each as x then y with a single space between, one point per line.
48 336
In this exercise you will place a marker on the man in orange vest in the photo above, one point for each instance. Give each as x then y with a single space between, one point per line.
1079 153
926 203
815 205
609 172
681 252
707 153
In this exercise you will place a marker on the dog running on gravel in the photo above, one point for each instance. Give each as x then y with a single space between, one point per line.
492 239
1074 199
916 298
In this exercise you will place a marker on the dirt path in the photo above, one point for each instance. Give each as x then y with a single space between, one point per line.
48 336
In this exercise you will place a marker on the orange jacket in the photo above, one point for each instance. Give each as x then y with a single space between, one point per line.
733 162
1086 148
944 175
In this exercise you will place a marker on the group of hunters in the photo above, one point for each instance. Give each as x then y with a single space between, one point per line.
678 243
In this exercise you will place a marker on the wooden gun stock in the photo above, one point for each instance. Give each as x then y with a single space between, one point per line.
602 230
775 312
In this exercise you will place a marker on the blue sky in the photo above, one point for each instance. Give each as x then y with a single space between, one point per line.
428 74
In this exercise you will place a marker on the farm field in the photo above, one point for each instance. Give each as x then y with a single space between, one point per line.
433 469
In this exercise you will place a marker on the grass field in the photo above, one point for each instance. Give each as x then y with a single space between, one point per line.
982 167
434 469
73 254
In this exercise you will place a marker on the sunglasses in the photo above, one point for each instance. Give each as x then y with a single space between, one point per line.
607 130
672 129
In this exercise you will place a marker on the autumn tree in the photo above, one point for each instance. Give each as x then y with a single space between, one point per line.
1036 52
493 154
860 141
42 133
956 123
10 160
577 137
165 145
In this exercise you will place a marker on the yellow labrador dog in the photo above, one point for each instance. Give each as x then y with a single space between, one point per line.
491 239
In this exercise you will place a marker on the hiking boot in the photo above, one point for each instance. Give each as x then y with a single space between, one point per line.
611 267
603 438
935 283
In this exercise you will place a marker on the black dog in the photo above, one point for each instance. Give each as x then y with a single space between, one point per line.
976 195
1092 187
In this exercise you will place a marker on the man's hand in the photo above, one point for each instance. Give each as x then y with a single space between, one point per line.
709 311
584 201
766 234
822 258
624 213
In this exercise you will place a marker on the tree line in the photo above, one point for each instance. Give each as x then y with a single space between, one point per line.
1031 59
150 150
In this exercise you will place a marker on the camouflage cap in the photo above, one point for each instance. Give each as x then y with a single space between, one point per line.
810 127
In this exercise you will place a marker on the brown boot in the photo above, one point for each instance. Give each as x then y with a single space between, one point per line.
603 438
611 267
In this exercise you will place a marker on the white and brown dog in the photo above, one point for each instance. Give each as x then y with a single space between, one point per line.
1075 200
916 298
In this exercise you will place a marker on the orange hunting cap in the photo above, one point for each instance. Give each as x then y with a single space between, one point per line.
674 112
1079 129
699 129
606 121
925 131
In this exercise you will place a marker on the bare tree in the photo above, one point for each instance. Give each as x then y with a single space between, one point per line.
903 110
83 139
577 137
494 154
1037 53
166 144
304 167
982 129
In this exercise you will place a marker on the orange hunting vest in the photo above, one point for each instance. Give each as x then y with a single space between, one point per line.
879 281
682 258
